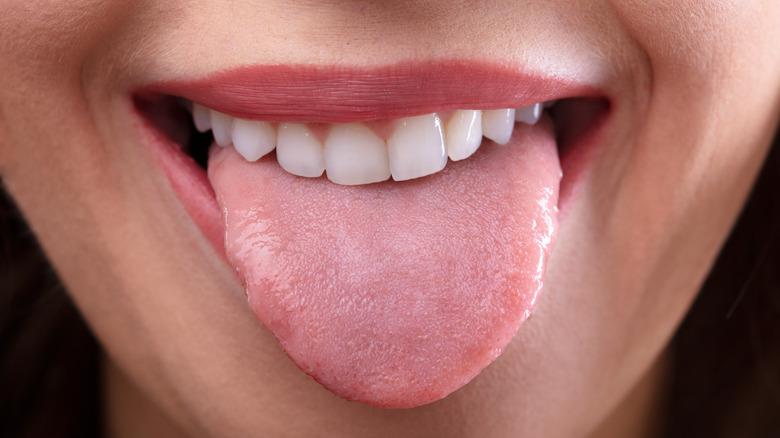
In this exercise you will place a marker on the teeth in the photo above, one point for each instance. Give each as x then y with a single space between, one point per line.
417 148
298 152
529 114
201 116
464 134
253 139
355 155
222 128
497 125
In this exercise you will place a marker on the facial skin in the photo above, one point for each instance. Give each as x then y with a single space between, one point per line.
696 89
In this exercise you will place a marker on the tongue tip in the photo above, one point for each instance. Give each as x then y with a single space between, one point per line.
408 399
392 391
400 382
400 392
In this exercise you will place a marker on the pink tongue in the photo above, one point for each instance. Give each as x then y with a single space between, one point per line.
394 294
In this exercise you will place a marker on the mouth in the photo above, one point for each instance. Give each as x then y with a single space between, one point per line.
391 226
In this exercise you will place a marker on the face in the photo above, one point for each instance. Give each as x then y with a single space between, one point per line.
665 111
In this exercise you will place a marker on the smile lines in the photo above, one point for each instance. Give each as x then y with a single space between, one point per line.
354 153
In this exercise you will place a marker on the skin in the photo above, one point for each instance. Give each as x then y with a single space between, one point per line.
697 88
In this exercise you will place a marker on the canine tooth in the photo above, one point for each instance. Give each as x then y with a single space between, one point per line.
201 117
529 114
221 127
253 139
497 125
464 134
355 155
298 151
417 147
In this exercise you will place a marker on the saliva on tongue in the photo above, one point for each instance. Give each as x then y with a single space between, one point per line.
394 294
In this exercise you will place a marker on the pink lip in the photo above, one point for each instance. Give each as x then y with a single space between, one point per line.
349 94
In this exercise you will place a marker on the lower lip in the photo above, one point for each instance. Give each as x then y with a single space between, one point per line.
188 180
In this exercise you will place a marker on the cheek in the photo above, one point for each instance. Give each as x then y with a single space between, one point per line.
52 160
43 47
711 110
687 32
705 51
53 36
626 272
694 155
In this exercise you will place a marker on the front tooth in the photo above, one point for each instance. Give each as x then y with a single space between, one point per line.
497 125
298 151
417 147
221 127
253 139
201 117
529 114
355 155
464 134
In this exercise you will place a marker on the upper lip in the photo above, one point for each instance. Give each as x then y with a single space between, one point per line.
340 94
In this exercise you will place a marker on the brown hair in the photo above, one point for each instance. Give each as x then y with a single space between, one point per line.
726 354
48 357
726 374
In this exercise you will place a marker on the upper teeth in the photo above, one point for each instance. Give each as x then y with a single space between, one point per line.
352 153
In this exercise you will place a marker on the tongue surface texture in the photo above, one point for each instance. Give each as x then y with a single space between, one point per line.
394 294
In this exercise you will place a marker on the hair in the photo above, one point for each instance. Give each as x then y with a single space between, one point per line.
49 360
726 354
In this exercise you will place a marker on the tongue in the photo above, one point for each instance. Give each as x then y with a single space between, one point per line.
394 294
